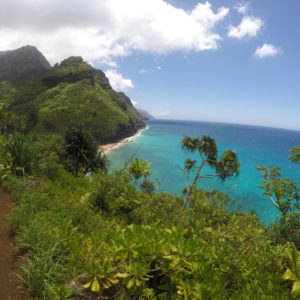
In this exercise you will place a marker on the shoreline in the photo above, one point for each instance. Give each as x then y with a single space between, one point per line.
112 146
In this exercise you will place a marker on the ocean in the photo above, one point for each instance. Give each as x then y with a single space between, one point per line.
160 145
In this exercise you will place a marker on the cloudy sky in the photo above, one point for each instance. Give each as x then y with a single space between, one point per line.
220 60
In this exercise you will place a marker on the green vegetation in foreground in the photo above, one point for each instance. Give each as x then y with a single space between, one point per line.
100 237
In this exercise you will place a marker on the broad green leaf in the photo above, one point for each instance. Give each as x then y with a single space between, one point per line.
130 283
137 282
167 256
113 281
296 289
122 275
289 275
106 285
95 286
87 285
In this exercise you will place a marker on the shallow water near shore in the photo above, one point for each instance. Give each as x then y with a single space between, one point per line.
160 145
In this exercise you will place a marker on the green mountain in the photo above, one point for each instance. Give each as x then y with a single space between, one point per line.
53 99
144 114
23 61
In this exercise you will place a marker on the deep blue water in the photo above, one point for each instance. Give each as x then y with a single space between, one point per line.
160 145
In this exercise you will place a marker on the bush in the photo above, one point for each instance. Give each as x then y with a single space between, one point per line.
80 153
99 237
25 159
49 147
5 159
114 194
147 186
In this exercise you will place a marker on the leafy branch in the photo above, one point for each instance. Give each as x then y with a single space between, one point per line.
226 166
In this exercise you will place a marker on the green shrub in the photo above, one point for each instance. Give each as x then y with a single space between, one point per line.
161 209
49 147
114 194
24 157
147 186
98 237
80 153
5 159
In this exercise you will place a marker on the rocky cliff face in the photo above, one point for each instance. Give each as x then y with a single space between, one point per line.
70 70
53 80
125 98
103 80
69 93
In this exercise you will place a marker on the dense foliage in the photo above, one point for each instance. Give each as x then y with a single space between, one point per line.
110 236
80 153
100 237
284 194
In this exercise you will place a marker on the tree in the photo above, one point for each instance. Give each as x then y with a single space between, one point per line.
284 194
295 155
226 166
81 153
138 168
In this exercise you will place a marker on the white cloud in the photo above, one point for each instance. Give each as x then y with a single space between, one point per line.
161 114
266 50
248 27
159 68
142 71
102 30
117 81
242 8
134 103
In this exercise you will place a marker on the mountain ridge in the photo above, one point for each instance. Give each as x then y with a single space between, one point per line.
52 99
15 63
144 114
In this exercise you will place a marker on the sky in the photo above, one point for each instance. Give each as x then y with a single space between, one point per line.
219 60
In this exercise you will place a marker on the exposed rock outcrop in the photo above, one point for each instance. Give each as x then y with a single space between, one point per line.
53 80
70 70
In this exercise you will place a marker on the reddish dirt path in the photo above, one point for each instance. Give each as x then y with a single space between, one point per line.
8 264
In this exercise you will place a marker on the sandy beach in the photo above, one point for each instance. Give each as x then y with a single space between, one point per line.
109 147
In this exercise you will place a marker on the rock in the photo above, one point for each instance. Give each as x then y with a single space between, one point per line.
53 80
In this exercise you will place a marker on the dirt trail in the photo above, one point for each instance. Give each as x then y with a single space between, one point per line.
8 264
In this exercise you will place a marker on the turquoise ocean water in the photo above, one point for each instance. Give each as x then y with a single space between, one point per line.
160 145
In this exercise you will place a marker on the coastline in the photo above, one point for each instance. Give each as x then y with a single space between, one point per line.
112 146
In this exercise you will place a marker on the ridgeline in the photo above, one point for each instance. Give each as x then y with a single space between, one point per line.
52 99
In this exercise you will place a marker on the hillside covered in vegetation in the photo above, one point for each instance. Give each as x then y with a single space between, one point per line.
85 233
114 236
37 97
